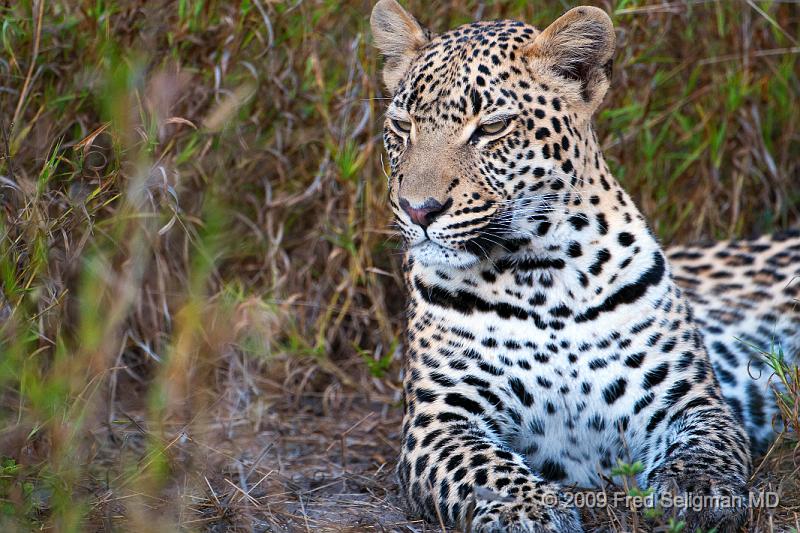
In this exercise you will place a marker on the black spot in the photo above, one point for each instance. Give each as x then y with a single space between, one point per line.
475 382
655 376
755 403
725 353
450 417
657 417
596 364
561 311
420 464
425 395
475 98
602 223
597 423
537 263
629 293
423 420
466 302
668 346
458 400
454 461
442 380
635 360
543 228
626 239
578 221
553 471
519 390
614 391
643 402
490 369
676 392
602 257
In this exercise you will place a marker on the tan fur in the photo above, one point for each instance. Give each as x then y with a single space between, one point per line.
429 169
398 36
578 46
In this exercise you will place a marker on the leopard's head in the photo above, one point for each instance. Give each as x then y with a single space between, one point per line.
488 130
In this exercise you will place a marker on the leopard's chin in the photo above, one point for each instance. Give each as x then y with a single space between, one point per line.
431 254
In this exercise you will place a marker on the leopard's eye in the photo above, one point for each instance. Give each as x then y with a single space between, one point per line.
401 125
493 128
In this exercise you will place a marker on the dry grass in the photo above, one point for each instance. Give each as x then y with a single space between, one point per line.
200 303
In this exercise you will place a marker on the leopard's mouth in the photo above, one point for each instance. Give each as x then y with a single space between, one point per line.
431 253
496 233
495 236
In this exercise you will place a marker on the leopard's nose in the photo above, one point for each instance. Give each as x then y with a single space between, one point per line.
425 213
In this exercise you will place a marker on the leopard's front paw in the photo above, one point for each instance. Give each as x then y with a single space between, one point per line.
703 501
541 513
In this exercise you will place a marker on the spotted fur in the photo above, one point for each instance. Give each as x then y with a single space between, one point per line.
746 298
548 334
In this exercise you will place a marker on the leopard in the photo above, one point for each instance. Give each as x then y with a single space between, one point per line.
549 336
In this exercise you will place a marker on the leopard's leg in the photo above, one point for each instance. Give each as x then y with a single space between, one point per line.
698 448
453 469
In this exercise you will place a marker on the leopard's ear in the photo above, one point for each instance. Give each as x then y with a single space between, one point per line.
398 36
579 47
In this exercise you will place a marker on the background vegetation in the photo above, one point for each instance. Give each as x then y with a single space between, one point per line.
200 307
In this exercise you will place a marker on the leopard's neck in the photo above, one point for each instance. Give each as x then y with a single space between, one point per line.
594 257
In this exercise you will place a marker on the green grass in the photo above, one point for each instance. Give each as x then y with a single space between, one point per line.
195 223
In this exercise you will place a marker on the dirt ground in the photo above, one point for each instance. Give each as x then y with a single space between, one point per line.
294 467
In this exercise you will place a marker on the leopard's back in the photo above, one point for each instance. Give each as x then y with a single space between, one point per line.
746 299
